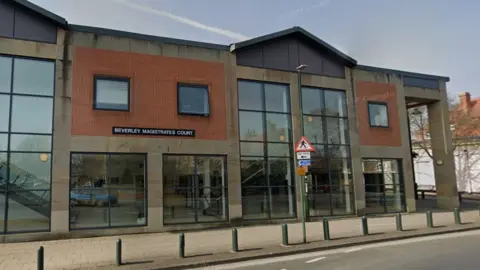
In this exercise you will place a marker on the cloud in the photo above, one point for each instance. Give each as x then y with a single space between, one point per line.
305 9
180 19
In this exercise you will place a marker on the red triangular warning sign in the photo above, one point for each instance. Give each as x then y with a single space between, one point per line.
304 145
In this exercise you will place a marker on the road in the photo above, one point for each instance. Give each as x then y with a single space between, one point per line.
451 251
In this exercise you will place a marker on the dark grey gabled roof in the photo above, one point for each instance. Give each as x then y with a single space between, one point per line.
59 21
295 31
124 34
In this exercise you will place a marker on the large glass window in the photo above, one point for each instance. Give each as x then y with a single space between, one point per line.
384 186
26 120
107 190
268 189
194 189
326 126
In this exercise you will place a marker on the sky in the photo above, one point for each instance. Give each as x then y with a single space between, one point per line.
437 37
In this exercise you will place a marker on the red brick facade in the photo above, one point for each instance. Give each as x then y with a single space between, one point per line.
153 93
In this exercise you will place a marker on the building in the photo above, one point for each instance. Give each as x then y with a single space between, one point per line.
465 127
107 132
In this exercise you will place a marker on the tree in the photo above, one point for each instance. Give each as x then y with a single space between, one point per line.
465 138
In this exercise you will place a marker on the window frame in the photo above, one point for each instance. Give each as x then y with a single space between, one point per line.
109 226
196 156
266 157
115 79
4 225
204 87
380 103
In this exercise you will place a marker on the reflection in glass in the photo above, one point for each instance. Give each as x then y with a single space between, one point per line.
272 195
384 190
342 200
338 151
378 115
196 193
337 130
335 103
282 201
278 127
251 149
193 99
250 96
5 74
28 120
276 98
4 112
312 101
251 126
278 150
3 171
131 210
252 172
313 128
2 200
112 94
28 211
30 143
3 142
255 202
29 171
107 190
279 172
89 208
33 77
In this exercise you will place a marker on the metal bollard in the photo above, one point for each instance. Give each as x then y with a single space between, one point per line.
456 215
40 258
234 240
398 219
181 245
429 219
118 255
326 229
284 234
364 225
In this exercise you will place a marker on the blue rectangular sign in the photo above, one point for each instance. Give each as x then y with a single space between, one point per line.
304 163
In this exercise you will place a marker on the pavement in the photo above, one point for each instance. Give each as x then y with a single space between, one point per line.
160 250
452 251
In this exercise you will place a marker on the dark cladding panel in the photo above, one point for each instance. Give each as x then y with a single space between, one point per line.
311 57
420 82
332 68
275 55
251 57
293 54
29 26
6 20
288 53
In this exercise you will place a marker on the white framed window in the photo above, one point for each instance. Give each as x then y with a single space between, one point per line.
111 93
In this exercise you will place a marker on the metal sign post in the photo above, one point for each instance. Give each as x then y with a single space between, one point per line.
303 150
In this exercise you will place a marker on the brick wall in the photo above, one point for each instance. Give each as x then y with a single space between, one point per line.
153 93
378 136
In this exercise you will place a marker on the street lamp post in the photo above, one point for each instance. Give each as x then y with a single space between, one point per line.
302 180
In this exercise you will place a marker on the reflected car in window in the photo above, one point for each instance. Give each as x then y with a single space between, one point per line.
98 197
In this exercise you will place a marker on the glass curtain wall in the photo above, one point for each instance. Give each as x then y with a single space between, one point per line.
194 189
107 190
26 127
384 186
326 127
268 189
